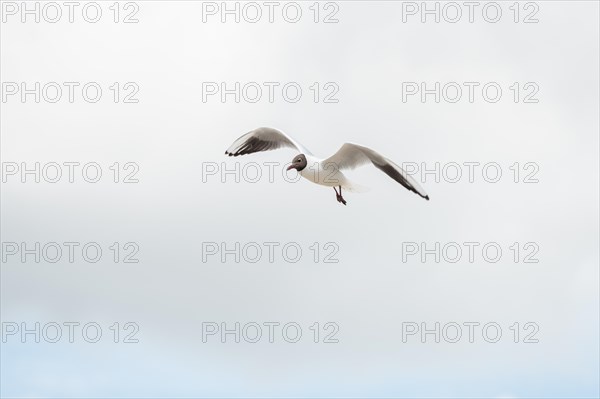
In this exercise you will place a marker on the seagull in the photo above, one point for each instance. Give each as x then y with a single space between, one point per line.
326 172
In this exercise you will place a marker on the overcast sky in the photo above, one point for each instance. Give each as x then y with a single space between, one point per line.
365 72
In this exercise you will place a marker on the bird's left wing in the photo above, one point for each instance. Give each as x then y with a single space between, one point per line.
351 156
263 139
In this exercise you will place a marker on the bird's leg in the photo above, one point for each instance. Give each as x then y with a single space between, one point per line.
341 199
337 195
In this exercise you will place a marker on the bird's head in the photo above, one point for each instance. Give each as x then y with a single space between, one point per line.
298 163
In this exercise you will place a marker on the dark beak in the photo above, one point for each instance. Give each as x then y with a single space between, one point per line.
291 167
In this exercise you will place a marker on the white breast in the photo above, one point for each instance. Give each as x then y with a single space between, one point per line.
324 174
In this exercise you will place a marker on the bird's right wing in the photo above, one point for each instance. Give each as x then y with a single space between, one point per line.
351 156
263 139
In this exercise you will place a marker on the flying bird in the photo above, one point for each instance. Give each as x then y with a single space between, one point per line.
326 172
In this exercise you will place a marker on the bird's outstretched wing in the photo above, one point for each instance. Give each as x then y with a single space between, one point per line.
263 139
351 156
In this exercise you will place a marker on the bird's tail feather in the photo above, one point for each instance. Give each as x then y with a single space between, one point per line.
355 188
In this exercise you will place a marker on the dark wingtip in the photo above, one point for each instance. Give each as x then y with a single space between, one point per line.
427 197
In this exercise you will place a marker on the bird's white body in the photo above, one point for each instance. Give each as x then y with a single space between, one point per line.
318 173
327 174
